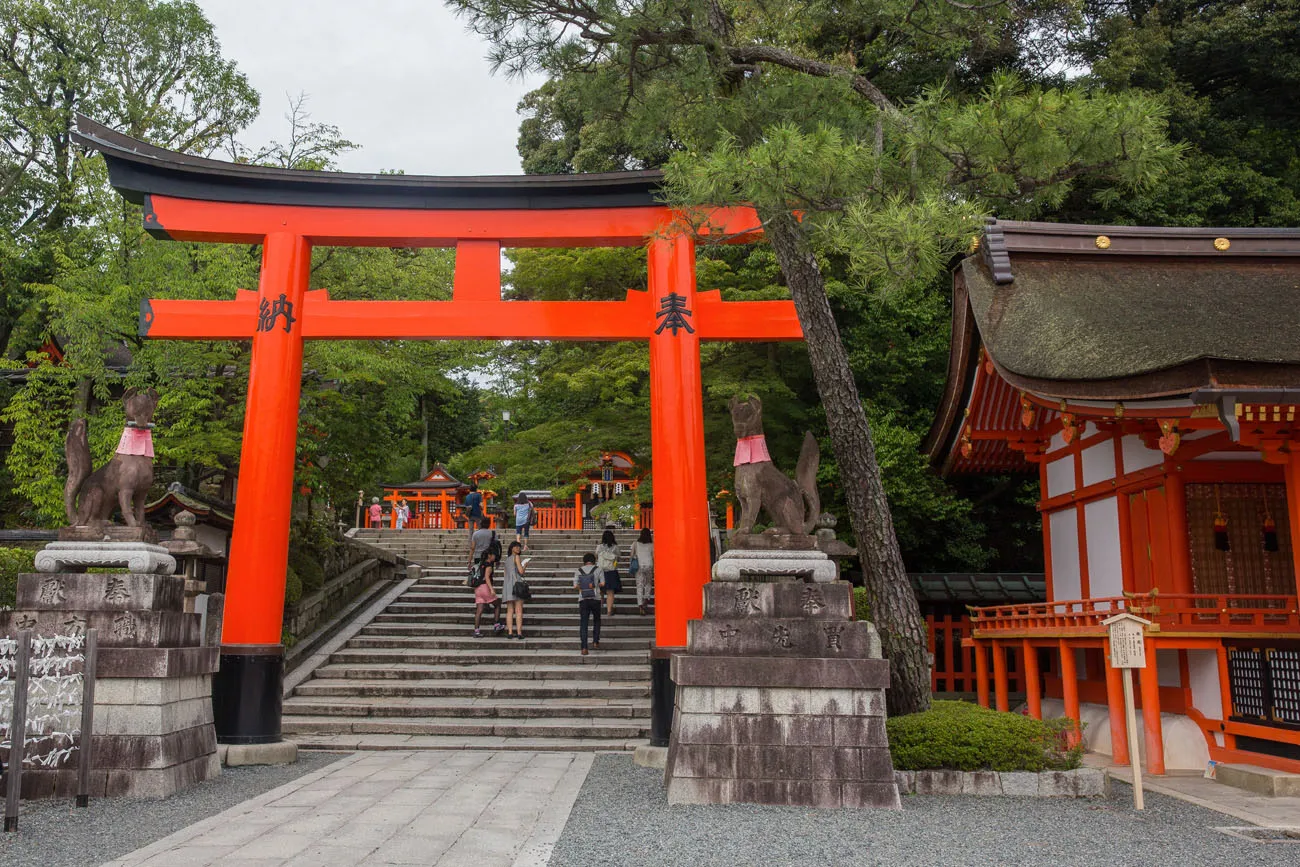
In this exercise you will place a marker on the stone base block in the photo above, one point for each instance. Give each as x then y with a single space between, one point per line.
647 756
162 662
775 565
1080 783
240 755
133 556
108 533
116 628
771 542
80 591
789 746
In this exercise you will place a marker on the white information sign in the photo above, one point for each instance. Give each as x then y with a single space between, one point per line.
1128 647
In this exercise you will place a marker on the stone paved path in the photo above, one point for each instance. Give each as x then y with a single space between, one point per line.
393 808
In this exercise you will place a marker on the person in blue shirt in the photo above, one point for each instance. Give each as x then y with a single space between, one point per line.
473 507
523 519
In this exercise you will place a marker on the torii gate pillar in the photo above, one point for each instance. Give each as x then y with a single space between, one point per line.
246 691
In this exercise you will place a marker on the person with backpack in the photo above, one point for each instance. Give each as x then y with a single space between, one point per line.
523 519
473 507
482 540
513 591
589 582
642 567
484 594
607 560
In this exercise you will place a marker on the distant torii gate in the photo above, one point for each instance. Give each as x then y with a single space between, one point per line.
289 212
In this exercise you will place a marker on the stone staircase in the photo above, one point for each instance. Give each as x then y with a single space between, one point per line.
415 677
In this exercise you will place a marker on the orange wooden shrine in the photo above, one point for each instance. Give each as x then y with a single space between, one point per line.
289 213
1150 379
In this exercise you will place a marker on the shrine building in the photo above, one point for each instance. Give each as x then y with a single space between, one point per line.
1150 378
436 501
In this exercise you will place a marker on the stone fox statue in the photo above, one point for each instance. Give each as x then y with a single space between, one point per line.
793 505
89 498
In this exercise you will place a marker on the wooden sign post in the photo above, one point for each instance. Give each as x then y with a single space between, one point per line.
1128 650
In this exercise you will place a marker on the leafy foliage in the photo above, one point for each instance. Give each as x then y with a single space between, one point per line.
13 562
957 735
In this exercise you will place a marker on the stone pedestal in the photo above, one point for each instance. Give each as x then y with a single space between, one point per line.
153 733
780 699
79 556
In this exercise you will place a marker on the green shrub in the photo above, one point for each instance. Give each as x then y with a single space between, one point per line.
958 735
310 572
292 587
861 607
13 562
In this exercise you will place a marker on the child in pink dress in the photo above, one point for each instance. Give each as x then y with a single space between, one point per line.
484 595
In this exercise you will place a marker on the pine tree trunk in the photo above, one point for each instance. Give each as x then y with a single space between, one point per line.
893 603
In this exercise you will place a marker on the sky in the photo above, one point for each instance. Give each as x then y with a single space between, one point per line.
402 78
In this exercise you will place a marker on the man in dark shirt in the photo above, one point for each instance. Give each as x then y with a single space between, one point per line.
589 582
473 506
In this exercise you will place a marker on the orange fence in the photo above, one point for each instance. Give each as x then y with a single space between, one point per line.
953 668
1211 613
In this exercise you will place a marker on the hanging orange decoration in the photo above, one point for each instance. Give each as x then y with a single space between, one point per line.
966 446
1221 542
1170 439
1270 532
1069 429
1027 414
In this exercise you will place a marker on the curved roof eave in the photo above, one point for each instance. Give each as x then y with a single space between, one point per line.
138 169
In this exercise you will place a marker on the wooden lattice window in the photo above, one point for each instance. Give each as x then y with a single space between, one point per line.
1246 567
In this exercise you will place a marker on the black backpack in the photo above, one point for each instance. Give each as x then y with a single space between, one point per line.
494 547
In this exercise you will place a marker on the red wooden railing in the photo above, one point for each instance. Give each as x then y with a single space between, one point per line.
1188 611
954 666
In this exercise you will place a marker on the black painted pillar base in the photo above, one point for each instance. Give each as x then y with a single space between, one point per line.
663 694
246 694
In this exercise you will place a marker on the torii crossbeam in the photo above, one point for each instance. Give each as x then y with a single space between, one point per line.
290 212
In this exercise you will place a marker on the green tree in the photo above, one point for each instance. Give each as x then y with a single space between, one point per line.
820 115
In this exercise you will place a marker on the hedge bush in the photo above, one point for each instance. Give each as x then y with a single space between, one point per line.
13 562
958 735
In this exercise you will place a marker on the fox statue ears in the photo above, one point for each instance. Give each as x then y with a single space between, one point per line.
132 392
753 400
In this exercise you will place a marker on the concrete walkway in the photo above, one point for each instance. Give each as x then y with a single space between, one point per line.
479 808
1262 810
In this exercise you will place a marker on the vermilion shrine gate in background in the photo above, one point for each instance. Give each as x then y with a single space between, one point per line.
290 212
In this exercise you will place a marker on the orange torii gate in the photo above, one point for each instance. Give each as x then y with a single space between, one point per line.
290 212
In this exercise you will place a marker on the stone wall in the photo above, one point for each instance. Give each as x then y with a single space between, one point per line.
363 566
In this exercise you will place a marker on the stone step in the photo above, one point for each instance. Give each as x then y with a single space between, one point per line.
521 690
558 727
468 707
352 742
519 655
584 668
568 631
535 606
365 641
416 614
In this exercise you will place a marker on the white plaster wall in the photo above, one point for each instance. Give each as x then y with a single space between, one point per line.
1089 429
1056 442
1203 672
1184 742
1105 565
1167 670
1065 554
1060 476
1099 463
212 537
1138 457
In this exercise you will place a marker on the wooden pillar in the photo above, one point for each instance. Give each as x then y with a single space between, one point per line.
981 673
677 444
1149 685
1180 547
1293 510
731 515
1115 709
577 509
247 689
1070 688
1033 689
1000 697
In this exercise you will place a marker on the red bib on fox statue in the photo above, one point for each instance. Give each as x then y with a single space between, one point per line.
751 450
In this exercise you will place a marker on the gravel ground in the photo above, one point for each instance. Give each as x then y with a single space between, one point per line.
56 834
622 818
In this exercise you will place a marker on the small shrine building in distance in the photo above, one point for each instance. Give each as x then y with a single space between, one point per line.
1150 378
